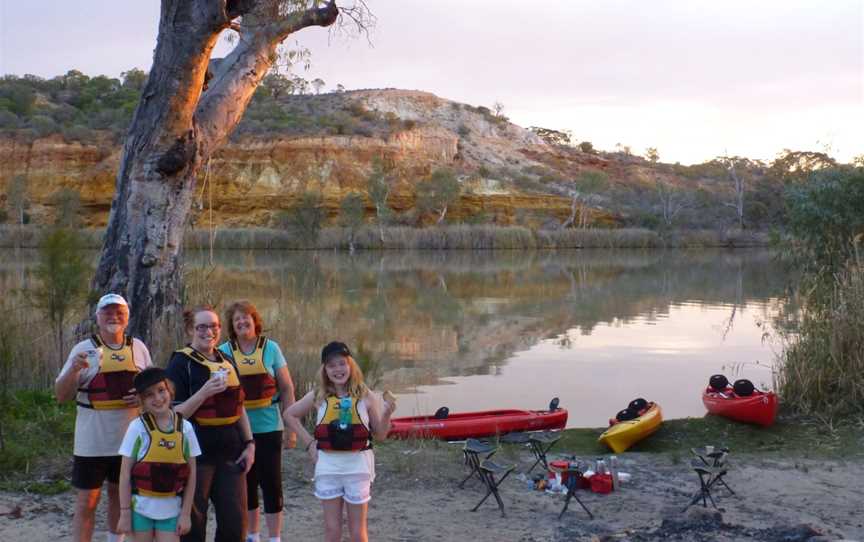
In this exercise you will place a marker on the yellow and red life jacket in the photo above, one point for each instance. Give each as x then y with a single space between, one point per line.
331 436
115 378
258 384
225 407
163 471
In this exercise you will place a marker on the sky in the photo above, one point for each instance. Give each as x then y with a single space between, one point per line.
694 79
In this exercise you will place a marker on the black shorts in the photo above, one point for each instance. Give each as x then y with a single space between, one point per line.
91 472
266 472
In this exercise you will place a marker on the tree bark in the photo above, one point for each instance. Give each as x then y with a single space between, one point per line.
174 131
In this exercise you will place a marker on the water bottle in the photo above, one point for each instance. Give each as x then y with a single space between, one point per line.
344 412
601 466
613 467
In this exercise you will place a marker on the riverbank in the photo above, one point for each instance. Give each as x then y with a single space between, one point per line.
450 237
795 481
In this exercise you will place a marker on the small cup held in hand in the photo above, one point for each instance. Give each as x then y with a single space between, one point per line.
94 356
221 375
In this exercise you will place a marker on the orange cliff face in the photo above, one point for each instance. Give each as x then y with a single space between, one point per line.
254 178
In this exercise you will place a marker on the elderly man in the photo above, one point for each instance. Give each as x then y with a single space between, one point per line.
98 375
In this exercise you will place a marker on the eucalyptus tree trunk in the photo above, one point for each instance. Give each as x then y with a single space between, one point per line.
185 114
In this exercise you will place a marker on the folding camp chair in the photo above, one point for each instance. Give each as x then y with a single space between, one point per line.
710 465
488 471
573 476
541 443
472 450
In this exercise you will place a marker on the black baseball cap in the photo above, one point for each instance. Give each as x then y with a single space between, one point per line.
333 349
148 377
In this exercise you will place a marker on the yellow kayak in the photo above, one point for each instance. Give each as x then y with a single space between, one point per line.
622 435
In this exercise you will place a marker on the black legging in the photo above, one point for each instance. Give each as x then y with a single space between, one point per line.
222 484
266 472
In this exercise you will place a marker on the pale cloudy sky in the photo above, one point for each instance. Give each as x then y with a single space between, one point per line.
694 78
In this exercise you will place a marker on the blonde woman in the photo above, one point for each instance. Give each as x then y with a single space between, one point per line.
349 416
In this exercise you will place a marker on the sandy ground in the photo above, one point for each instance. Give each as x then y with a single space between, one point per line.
416 498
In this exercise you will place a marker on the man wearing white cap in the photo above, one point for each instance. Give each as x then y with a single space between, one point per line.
98 374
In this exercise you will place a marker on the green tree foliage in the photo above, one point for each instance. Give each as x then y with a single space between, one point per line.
825 216
18 198
796 166
437 193
70 100
67 206
351 212
81 108
652 155
62 278
821 370
587 146
306 217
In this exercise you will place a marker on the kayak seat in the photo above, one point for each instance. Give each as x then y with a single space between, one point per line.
489 470
472 451
442 413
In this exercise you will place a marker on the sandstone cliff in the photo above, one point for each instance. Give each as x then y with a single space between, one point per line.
508 174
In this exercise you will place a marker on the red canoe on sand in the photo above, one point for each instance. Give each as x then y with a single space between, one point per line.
759 408
461 426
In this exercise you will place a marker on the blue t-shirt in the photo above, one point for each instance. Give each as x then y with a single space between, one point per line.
267 419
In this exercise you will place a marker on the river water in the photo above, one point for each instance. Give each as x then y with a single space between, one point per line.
486 330
477 330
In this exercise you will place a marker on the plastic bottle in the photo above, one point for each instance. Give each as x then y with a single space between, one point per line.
613 468
601 466
344 412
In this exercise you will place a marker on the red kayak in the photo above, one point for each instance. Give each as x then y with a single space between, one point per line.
759 408
477 424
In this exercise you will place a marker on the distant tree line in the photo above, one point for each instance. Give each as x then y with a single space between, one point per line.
83 108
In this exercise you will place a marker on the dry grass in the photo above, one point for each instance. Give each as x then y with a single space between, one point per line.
822 371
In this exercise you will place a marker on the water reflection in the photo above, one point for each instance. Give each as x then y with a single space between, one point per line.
477 330
493 329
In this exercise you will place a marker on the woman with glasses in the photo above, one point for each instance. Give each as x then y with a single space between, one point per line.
208 393
266 382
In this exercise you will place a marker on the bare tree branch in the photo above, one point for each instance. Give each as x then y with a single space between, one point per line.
238 75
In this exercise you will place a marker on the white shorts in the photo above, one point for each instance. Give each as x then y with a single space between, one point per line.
353 488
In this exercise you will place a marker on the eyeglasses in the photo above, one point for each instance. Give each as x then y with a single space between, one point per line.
201 328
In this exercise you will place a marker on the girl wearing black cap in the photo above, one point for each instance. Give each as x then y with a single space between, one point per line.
349 415
158 465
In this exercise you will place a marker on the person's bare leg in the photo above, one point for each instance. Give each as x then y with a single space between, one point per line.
274 524
253 519
165 536
143 536
113 507
86 501
332 519
357 522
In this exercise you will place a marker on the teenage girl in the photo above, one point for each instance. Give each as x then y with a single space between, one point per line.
348 416
157 472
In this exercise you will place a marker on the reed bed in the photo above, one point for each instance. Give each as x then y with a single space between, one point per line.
449 237
822 370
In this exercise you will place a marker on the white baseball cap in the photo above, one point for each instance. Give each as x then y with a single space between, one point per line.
111 299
